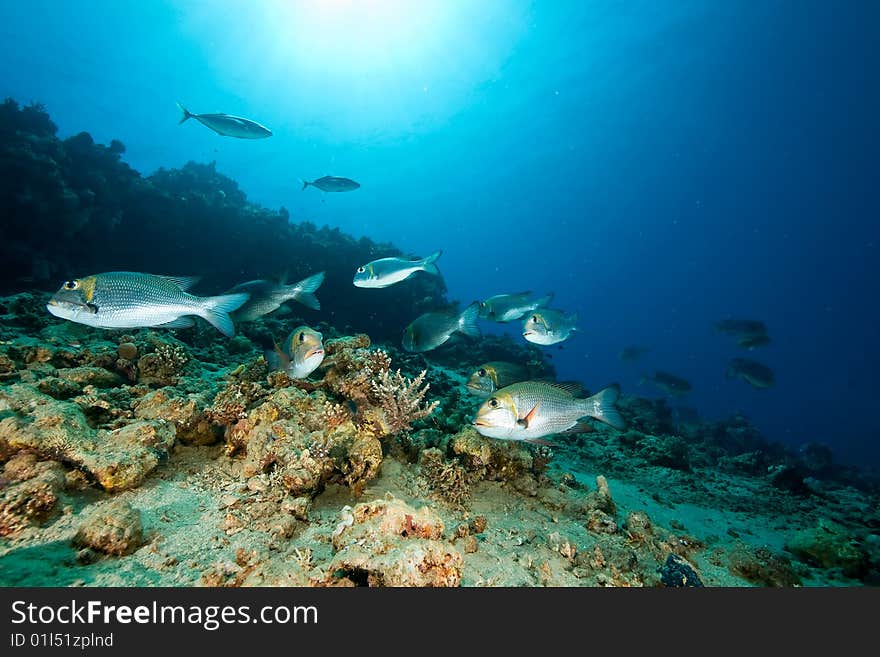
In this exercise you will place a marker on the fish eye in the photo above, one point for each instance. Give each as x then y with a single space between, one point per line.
361 270
493 403
71 285
302 337
481 372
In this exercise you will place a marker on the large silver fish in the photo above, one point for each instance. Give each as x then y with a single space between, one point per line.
300 355
531 410
508 307
267 296
431 330
332 184
123 299
388 271
546 326
228 125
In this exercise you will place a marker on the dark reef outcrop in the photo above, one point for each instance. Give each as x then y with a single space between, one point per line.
72 207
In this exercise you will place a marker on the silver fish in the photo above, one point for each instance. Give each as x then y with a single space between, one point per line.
431 330
332 184
531 410
489 377
546 326
742 327
267 296
388 271
673 385
508 307
124 299
300 355
228 125
632 353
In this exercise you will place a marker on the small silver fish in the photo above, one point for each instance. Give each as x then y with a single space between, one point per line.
546 326
489 377
124 299
228 125
332 184
742 327
531 410
508 307
267 296
388 271
431 330
300 355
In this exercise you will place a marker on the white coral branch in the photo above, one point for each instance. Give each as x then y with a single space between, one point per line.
402 399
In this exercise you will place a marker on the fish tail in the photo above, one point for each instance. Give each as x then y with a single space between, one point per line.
467 321
186 114
305 183
601 406
215 311
305 289
428 265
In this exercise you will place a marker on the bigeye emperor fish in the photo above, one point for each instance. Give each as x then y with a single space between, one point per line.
489 377
546 326
388 271
508 307
530 410
228 125
299 355
123 299
267 296
431 330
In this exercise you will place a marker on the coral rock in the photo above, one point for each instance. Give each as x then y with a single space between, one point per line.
113 528
187 414
829 545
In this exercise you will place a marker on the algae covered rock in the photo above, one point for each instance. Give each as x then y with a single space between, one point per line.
113 528
388 543
829 545
187 413
31 497
491 459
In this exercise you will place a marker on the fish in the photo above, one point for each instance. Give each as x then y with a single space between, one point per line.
123 299
267 296
228 125
431 330
751 342
300 355
332 184
632 353
530 410
388 271
489 377
508 307
741 327
546 326
752 372
671 384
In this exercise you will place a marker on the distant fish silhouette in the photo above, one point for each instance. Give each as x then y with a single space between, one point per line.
332 184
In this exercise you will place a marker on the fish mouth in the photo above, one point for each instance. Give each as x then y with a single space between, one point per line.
526 333
480 423
314 352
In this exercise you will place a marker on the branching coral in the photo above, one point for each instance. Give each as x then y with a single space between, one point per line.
447 478
163 366
401 400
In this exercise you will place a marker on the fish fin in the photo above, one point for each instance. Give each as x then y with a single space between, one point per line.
276 358
540 441
305 183
215 311
428 265
183 282
527 420
544 301
181 322
601 406
581 426
186 114
574 388
467 321
304 291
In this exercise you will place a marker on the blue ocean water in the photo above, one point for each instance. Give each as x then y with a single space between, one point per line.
659 166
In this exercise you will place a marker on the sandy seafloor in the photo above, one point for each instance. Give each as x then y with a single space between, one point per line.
591 511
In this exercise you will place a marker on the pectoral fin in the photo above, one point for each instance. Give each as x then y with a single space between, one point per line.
527 420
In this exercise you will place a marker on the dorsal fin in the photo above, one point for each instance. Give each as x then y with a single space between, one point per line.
574 388
183 282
